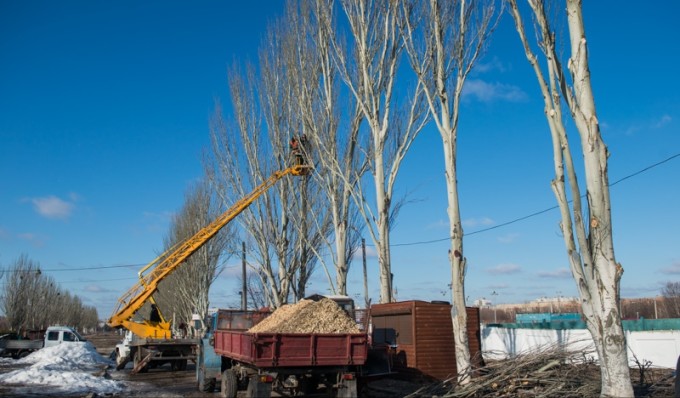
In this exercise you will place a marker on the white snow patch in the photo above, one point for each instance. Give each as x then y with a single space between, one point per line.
68 367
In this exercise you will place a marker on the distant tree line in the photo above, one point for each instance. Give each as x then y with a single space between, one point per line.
667 305
32 300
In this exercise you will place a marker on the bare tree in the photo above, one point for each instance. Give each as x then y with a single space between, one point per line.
334 145
298 96
33 300
16 297
244 156
369 71
671 299
255 292
671 289
186 291
288 224
588 235
239 163
443 48
45 298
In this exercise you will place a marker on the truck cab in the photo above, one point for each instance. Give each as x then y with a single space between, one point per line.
17 347
56 335
208 363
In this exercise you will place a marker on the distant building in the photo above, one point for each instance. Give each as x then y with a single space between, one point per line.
482 302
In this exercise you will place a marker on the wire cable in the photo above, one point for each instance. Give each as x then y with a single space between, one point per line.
425 242
538 212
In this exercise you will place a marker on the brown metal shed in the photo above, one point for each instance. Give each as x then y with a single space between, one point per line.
421 333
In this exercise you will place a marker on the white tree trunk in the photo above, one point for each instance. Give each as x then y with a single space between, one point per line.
369 69
444 40
588 242
382 202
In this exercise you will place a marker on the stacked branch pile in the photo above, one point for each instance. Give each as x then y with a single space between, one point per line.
548 372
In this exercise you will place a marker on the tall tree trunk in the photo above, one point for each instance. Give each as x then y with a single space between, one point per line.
383 225
444 39
458 268
589 242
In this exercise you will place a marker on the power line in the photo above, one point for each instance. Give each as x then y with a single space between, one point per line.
645 169
425 242
40 270
538 212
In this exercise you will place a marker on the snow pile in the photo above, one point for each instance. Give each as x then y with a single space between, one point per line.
6 361
68 367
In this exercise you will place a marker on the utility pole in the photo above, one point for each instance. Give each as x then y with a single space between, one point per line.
656 314
363 252
244 286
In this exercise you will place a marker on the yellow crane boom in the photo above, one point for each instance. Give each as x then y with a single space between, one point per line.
167 262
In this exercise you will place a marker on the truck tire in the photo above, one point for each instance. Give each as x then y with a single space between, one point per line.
677 378
206 384
120 361
178 365
229 384
308 385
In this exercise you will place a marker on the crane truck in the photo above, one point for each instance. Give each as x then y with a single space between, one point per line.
149 342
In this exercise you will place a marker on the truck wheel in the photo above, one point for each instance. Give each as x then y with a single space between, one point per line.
229 384
207 385
120 361
178 364
308 385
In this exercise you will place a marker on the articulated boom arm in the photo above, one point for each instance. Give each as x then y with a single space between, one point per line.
167 262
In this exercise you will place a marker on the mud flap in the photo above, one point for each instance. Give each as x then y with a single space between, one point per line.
259 387
347 389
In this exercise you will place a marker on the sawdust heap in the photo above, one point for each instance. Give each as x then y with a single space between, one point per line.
307 316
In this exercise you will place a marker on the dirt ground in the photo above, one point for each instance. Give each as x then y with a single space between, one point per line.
158 382
162 382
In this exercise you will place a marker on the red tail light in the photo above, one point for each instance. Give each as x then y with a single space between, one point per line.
348 376
266 379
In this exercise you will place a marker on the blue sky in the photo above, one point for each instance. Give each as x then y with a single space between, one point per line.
104 110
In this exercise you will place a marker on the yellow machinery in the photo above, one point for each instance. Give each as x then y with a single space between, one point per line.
151 275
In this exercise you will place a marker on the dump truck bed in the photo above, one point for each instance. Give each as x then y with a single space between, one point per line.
21 344
270 350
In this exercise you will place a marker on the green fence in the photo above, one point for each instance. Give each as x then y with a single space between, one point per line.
637 325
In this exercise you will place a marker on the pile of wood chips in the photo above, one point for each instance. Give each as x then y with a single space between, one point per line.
308 316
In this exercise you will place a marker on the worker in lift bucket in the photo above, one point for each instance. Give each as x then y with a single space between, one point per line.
155 316
297 147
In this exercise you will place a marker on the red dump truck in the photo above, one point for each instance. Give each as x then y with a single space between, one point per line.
289 363
298 362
